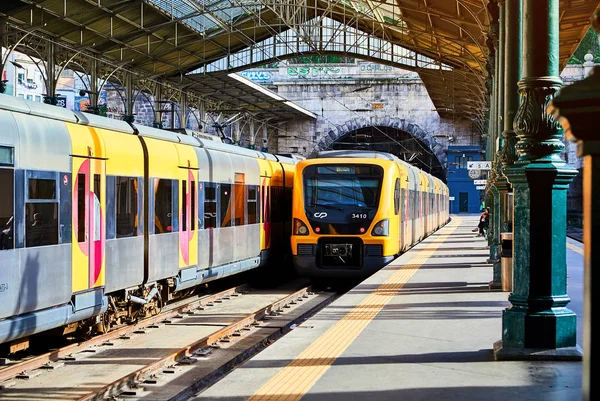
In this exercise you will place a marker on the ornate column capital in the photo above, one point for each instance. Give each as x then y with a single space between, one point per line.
538 132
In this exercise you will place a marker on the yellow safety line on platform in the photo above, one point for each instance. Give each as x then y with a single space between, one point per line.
575 248
294 380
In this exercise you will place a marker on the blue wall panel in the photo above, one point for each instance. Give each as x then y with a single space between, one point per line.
459 180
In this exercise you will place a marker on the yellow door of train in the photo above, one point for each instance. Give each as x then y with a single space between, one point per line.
188 205
89 206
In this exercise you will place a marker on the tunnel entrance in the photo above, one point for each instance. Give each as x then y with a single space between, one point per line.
395 141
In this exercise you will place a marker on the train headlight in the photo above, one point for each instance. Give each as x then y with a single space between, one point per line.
381 229
300 228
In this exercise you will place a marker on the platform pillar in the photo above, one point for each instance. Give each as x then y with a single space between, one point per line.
183 106
577 108
506 155
129 101
493 235
538 325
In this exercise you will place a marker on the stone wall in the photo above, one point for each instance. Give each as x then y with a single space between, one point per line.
350 96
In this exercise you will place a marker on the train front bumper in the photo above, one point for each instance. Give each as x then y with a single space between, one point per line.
315 260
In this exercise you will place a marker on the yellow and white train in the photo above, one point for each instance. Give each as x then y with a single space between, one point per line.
102 222
355 211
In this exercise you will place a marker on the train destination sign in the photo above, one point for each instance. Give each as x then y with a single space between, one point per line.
484 165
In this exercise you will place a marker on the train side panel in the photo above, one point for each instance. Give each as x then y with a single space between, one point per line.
124 207
163 209
35 259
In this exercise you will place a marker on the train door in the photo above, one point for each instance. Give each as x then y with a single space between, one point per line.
265 212
89 207
188 245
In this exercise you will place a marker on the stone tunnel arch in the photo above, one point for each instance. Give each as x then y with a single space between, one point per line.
393 135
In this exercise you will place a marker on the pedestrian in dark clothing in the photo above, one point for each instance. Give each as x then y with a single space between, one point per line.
484 222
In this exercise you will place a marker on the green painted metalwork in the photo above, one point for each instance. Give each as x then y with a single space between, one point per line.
538 317
576 108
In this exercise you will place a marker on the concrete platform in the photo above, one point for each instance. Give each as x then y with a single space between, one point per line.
422 328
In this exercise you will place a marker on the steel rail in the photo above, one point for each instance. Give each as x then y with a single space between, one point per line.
54 356
129 380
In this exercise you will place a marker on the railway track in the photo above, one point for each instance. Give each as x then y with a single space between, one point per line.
209 336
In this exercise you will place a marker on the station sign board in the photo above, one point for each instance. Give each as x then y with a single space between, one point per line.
61 101
481 165
451 198
480 188
480 182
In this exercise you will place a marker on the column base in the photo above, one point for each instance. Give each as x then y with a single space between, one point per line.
502 353
495 285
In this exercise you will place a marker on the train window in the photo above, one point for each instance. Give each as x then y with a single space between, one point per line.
81 207
252 199
225 205
127 205
344 185
163 206
210 205
7 180
42 189
7 156
240 200
193 205
184 205
397 197
42 224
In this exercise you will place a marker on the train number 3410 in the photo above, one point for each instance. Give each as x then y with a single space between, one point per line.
359 215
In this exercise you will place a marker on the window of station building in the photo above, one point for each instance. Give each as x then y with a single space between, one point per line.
461 161
7 179
210 205
127 206
252 201
240 200
41 213
163 206
225 206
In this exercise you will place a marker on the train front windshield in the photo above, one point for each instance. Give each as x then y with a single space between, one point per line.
353 186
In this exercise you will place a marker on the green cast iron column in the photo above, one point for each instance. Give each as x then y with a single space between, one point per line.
494 231
538 324
506 155
578 106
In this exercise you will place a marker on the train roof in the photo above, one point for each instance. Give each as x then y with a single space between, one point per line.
359 154
12 103
367 154
184 136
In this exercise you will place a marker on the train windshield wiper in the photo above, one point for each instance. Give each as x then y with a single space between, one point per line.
329 206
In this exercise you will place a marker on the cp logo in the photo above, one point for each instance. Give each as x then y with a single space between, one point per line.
320 215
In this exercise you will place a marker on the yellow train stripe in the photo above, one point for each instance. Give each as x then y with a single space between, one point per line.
294 380
575 248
